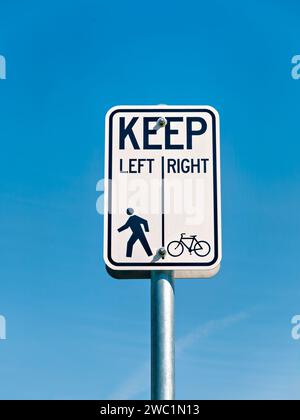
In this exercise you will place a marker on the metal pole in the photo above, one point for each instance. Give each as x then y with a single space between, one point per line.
162 336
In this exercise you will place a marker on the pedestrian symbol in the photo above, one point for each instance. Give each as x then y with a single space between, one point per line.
135 223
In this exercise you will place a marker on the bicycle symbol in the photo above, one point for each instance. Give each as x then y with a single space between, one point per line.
201 248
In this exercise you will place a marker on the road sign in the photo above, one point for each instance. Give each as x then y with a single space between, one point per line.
163 201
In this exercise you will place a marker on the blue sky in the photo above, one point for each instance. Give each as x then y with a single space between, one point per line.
73 332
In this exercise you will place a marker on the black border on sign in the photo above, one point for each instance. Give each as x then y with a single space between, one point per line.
215 173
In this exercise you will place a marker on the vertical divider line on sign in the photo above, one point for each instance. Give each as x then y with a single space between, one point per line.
163 201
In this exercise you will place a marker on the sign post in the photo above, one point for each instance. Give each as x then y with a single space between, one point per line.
162 336
162 210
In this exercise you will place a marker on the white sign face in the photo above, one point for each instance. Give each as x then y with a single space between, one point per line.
163 207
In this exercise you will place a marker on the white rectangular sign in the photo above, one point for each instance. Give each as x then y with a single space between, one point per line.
163 201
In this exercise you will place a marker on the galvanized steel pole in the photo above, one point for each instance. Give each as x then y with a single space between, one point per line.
162 336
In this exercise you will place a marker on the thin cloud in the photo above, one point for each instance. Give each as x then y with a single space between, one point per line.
207 329
139 381
136 384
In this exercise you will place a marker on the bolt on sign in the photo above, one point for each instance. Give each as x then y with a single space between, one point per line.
162 192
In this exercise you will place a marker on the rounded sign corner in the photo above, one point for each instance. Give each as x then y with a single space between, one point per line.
109 262
111 111
213 110
212 272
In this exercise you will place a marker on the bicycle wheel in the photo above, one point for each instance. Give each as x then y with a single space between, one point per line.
202 248
175 249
